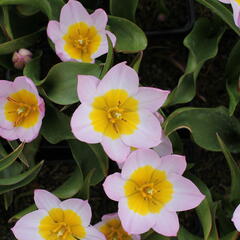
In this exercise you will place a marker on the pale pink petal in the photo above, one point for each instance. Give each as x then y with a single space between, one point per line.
99 19
236 218
93 234
9 134
140 158
115 149
151 98
114 186
27 227
119 77
59 48
23 82
185 194
82 208
103 48
173 164
225 1
4 123
148 133
87 87
132 222
159 117
112 37
45 200
6 88
53 30
236 12
82 127
167 223
73 12
165 147
105 219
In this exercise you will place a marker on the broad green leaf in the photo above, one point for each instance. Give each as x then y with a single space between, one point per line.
233 77
60 84
32 69
109 60
183 234
3 151
234 169
137 61
88 157
23 182
124 8
6 21
222 11
49 7
71 186
204 124
8 199
27 10
231 236
56 125
14 144
151 235
22 42
9 159
130 38
19 178
202 43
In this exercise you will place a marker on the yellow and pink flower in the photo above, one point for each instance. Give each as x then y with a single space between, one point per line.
66 220
236 9
117 113
150 190
21 109
236 218
80 36
112 228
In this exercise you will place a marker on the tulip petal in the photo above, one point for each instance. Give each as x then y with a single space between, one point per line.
114 186
93 234
82 208
165 147
103 47
148 133
132 222
174 164
45 200
27 227
23 82
4 123
236 12
73 12
115 149
6 88
167 223
225 1
236 218
151 98
82 127
53 30
140 158
99 19
119 77
59 47
186 195
87 87
112 37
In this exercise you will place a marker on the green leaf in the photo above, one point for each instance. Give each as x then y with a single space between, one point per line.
8 199
183 234
130 38
19 178
60 85
109 60
234 169
204 124
137 61
33 70
88 157
222 11
27 10
6 22
202 43
32 175
22 42
124 8
56 125
231 236
71 186
150 235
233 77
22 157
9 159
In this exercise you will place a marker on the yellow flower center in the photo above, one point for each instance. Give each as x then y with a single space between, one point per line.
22 109
238 1
61 225
81 41
115 113
148 190
113 230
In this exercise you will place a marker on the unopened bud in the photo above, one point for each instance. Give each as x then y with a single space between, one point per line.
21 57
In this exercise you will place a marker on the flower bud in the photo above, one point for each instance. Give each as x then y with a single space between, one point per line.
21 57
